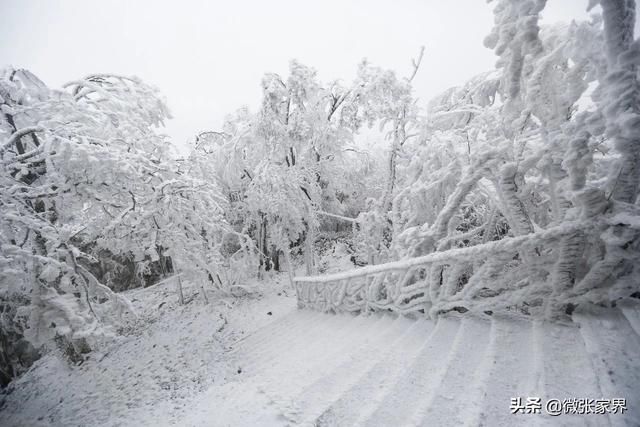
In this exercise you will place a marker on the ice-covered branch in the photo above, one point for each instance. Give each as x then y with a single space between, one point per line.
17 135
402 286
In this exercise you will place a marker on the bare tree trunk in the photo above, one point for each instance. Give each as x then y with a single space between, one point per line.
179 289
204 293
309 260
274 256
287 258
391 180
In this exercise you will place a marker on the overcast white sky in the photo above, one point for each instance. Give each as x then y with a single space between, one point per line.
208 57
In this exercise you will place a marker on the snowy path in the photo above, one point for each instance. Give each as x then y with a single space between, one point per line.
308 368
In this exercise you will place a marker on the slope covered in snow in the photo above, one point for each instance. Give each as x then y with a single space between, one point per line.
167 355
263 362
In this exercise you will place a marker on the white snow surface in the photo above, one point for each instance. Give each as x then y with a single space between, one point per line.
231 363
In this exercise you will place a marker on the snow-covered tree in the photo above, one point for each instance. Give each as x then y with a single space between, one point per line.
294 159
85 167
532 146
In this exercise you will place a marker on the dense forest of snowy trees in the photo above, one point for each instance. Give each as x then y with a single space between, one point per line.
95 200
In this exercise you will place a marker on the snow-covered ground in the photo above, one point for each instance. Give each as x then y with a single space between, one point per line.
149 376
262 362
382 370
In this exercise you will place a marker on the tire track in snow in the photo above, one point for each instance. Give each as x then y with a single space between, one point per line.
465 356
319 395
281 385
419 380
502 374
614 348
363 396
567 373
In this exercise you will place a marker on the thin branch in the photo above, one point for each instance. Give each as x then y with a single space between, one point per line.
343 218
416 63
336 104
17 135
